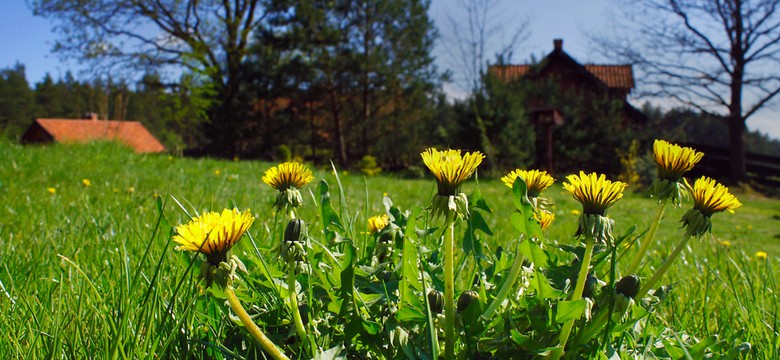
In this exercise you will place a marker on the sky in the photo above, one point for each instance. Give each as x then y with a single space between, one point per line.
28 39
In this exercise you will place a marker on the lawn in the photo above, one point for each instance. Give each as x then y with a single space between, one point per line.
87 268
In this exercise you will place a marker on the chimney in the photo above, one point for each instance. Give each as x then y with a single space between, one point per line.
558 44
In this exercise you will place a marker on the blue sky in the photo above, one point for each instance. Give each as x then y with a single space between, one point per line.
29 39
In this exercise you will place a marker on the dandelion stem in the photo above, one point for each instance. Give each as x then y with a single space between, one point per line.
577 295
253 329
449 287
507 285
299 328
660 272
649 239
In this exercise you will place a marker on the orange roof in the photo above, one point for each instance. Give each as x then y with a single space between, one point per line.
614 76
131 133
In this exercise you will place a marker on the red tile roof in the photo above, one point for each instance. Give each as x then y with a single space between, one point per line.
131 133
614 76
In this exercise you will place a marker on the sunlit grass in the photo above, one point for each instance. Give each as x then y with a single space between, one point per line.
89 271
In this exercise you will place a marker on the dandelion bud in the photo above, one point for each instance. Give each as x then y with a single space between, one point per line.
591 284
295 231
628 286
436 301
466 299
293 248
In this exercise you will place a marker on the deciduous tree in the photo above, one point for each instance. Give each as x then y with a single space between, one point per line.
718 56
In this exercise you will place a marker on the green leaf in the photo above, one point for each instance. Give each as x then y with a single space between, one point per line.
546 291
698 350
518 222
520 194
410 277
569 310
409 314
327 213
478 201
477 222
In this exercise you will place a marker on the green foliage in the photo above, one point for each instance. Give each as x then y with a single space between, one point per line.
91 270
16 102
368 166
282 153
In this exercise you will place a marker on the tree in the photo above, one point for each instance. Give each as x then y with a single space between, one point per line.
359 72
471 36
718 56
17 102
207 37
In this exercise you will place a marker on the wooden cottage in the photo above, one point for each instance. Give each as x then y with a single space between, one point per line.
590 81
130 133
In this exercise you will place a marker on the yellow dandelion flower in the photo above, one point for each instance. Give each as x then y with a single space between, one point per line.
51 190
217 172
674 160
130 190
536 180
594 191
710 197
86 182
213 233
575 212
761 255
288 175
545 218
377 223
450 168
726 243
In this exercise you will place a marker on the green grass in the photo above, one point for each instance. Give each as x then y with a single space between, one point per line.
90 271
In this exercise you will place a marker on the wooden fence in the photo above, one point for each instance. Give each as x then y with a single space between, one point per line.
762 169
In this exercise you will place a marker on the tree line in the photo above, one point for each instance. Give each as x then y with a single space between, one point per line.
323 80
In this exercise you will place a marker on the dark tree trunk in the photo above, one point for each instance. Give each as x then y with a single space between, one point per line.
737 148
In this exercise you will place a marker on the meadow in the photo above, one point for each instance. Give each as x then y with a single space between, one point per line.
87 268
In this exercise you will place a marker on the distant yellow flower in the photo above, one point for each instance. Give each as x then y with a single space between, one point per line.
217 172
594 191
674 160
450 168
760 255
536 180
377 223
51 190
575 212
213 233
86 182
130 190
726 243
288 175
710 197
545 218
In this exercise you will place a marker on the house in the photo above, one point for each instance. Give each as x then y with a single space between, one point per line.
130 133
590 81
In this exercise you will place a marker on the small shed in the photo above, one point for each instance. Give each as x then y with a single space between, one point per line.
130 133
